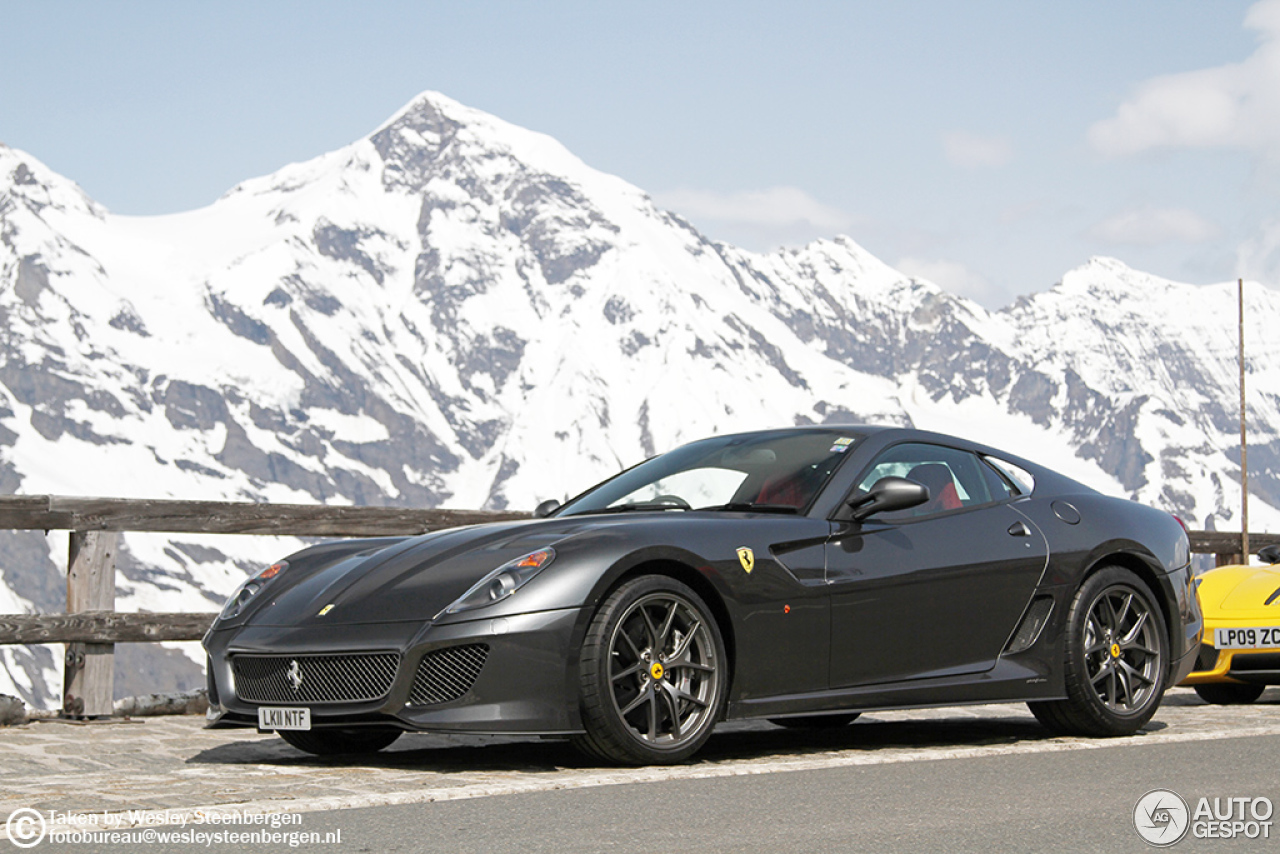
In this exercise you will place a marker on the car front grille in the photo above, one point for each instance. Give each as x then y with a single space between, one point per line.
446 674
357 678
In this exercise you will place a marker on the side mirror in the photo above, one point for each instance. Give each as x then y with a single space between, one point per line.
1271 554
886 495
546 508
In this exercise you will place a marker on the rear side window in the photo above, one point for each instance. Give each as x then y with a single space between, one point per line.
1021 479
1000 486
955 479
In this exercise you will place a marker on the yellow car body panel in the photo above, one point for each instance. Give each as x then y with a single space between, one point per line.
1238 597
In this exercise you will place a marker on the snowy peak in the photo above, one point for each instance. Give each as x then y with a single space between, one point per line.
25 180
1115 282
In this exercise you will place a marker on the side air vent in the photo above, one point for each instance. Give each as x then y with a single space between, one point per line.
212 684
446 674
1032 624
1207 659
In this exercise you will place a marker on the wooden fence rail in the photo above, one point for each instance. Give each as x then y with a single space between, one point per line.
1227 544
55 512
104 627
91 627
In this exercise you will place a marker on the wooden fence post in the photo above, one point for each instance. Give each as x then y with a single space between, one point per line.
91 586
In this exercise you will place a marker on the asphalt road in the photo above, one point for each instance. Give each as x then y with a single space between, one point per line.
1079 800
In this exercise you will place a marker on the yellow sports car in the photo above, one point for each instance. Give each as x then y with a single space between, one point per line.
1240 647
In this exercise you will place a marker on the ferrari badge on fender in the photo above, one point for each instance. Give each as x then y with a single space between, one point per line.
747 558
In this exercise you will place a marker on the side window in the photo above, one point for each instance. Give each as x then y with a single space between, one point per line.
955 479
1023 482
1001 487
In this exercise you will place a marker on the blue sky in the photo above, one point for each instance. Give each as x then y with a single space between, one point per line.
989 145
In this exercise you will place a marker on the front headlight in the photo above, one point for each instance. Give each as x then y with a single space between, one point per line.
502 582
249 589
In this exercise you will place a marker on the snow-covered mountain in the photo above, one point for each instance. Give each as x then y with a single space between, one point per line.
455 311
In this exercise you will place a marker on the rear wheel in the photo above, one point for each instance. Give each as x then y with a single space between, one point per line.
331 742
816 721
1229 693
653 676
1115 659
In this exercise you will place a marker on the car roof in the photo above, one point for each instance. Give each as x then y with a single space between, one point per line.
1047 480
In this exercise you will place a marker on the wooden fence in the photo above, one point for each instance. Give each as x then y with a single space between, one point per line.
91 627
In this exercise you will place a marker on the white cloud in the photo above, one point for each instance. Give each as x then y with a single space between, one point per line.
1153 226
954 277
972 151
778 206
1259 257
1229 106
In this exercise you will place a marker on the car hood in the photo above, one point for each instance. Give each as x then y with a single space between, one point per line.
1235 590
411 581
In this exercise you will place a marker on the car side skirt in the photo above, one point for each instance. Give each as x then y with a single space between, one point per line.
1007 682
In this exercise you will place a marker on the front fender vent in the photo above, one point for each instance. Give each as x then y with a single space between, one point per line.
446 674
1033 622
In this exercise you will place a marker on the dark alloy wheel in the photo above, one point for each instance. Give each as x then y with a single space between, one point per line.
1115 664
653 674
816 721
331 742
1229 693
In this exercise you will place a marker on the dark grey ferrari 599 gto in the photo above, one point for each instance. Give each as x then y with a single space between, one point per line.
801 575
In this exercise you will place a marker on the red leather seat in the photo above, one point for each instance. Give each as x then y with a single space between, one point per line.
941 485
790 490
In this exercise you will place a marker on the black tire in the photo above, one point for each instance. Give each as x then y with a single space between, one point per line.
331 742
1229 693
1116 660
816 721
654 675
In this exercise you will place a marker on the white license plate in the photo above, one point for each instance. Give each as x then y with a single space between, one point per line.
1255 637
278 717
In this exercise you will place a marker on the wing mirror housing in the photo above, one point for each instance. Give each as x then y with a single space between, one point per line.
546 508
1271 554
886 495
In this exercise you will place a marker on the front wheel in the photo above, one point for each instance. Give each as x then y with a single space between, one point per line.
331 742
1229 693
1115 663
653 676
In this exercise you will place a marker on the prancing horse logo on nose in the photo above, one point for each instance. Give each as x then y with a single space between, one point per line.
295 675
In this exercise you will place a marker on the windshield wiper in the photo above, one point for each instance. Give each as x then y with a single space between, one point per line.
750 507
638 508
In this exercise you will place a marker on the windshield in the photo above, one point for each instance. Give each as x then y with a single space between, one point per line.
780 471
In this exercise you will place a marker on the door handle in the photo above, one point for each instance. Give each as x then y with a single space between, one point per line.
1019 529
